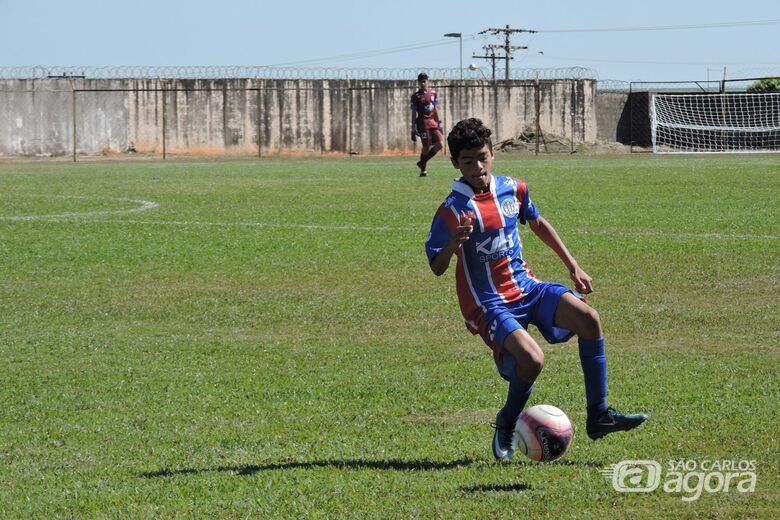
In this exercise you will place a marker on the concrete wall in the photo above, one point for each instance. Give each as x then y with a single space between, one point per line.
269 117
612 117
35 118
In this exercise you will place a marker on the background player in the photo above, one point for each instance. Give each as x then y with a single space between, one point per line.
425 122
498 294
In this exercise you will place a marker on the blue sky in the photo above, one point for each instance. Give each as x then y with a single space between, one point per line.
347 33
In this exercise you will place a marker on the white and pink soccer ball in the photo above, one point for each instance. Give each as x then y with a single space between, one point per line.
543 433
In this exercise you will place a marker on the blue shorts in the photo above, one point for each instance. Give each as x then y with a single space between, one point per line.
536 308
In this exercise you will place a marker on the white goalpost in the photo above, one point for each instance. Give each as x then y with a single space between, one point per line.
715 123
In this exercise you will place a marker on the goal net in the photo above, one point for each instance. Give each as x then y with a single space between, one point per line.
707 123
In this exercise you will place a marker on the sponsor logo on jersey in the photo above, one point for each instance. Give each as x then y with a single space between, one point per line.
495 248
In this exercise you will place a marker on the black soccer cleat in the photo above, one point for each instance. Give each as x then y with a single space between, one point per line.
503 448
610 421
423 172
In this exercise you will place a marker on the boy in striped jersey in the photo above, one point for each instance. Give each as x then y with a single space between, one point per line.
499 296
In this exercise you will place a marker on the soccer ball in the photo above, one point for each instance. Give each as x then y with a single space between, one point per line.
543 433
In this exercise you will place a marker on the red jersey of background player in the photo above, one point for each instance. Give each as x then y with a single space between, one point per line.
424 103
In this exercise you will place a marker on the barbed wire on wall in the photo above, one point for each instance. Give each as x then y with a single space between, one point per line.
702 86
613 85
260 72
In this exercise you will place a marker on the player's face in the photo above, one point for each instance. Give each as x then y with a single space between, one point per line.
475 164
423 83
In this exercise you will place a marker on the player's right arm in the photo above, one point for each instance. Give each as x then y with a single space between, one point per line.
440 260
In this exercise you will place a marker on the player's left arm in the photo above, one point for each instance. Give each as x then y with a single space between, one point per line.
547 234
414 132
436 111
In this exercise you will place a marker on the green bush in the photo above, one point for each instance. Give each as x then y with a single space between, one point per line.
765 85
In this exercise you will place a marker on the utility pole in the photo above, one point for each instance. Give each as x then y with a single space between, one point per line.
507 46
507 54
490 54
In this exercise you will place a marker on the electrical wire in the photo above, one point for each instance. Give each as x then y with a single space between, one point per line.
471 37
642 62
751 23
376 52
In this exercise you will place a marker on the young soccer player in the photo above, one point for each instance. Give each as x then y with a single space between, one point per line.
425 122
499 295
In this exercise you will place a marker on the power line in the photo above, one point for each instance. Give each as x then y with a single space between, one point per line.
367 54
644 62
751 23
495 31
375 52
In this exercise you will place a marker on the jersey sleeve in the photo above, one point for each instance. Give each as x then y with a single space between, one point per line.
442 229
528 209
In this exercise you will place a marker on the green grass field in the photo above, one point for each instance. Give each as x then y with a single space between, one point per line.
265 339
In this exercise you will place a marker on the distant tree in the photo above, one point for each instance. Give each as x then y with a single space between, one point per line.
765 85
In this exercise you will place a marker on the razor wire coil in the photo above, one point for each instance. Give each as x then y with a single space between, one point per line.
263 72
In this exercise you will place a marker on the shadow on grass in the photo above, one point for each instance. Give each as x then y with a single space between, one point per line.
392 465
495 487
578 463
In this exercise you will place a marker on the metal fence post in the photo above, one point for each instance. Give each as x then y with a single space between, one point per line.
537 108
259 121
573 111
349 118
73 105
447 89
224 118
630 118
162 89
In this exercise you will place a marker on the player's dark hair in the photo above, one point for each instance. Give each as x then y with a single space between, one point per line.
469 133
421 76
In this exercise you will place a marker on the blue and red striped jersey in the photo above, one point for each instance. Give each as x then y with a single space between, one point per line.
490 269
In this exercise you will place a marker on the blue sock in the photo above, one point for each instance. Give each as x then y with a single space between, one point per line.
517 397
594 368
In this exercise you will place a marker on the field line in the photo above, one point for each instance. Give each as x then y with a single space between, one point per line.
65 218
676 234
142 205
